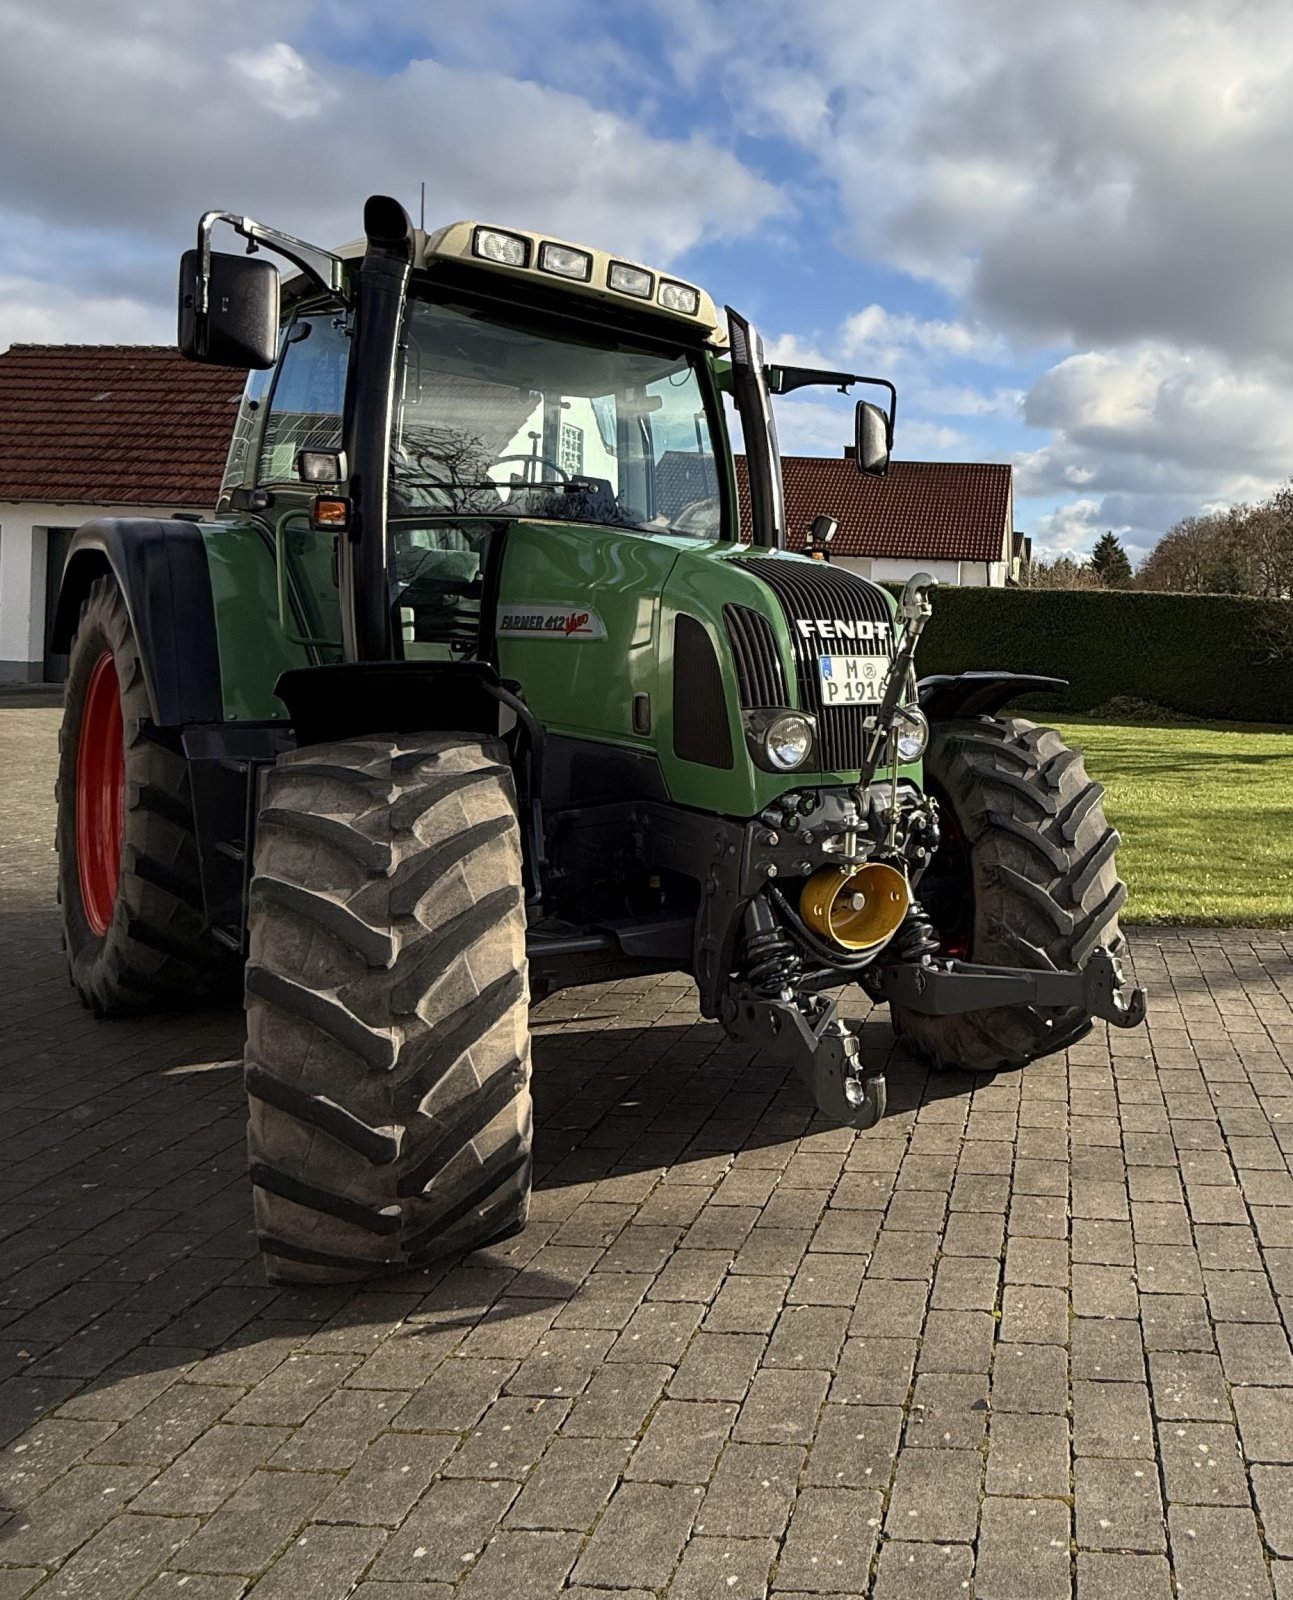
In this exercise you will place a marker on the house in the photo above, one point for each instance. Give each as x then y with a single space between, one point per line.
135 430
953 519
94 430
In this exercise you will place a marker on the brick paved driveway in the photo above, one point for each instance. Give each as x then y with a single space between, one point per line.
1024 1338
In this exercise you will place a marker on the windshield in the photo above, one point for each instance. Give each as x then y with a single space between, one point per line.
496 419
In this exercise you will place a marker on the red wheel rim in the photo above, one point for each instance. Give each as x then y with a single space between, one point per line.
100 793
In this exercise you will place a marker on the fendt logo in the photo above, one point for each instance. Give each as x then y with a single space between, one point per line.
839 628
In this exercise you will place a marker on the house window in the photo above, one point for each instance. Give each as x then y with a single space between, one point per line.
572 449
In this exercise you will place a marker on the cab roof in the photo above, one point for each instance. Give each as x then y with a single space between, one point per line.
460 242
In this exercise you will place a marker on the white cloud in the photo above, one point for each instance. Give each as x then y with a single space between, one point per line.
283 81
188 126
33 312
892 338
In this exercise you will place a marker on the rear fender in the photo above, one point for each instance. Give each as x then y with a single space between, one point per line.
160 566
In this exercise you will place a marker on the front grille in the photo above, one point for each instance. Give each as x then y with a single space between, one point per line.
759 670
823 593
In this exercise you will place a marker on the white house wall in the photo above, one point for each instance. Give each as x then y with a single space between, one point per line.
23 543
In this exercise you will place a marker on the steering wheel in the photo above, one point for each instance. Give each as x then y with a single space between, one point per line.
545 461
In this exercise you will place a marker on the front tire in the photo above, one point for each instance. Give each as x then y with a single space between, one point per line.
388 1047
1025 876
129 880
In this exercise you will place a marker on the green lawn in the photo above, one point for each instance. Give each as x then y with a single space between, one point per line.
1206 818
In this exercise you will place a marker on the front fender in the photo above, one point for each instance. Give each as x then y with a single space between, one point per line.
979 694
160 566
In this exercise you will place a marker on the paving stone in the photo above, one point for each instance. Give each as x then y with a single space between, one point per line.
957 1341
808 1336
522 1565
737 1568
935 1495
1031 1378
1188 1387
874 1371
508 1439
890 1308
1265 1423
751 1492
228 1586
1104 1291
387 1479
949 1410
659 1331
445 1531
682 1441
832 1538
1217 1551
781 1407
69 1512
460 1395
641 1534
1107 1349
1201 1464
747 1305
717 1366
1176 1322
320 1561
854 1447
1112 1419
571 1484
1273 1491
120 1558
1028 1456
827 1280
209 1471
617 1401
1102 1576
1118 1505
923 1571
1023 1550
252 1527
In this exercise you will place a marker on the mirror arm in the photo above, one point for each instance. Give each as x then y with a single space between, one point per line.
782 380
295 250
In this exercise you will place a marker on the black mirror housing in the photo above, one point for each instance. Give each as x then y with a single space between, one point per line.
873 439
239 327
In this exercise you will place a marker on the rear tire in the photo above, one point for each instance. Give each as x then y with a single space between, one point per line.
388 1046
1043 888
134 923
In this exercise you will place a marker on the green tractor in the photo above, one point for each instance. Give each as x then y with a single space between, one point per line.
469 690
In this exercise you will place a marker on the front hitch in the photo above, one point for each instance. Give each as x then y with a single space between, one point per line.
949 988
823 1049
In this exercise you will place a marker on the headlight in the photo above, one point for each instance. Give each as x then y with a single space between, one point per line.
565 262
910 734
630 280
507 249
788 740
679 297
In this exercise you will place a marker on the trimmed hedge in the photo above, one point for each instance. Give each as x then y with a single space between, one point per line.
1202 654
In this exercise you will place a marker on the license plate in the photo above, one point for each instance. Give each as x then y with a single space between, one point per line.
852 680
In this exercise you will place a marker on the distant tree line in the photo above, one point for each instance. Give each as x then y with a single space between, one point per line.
1245 549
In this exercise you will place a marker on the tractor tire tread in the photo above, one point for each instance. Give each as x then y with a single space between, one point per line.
388 1056
1045 884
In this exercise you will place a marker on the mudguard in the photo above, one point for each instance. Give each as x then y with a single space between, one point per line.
979 694
160 566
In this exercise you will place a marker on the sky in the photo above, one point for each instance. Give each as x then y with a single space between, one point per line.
1065 232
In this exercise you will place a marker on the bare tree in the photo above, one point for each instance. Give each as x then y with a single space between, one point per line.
1062 573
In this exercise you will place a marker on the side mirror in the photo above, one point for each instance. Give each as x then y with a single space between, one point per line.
239 325
873 440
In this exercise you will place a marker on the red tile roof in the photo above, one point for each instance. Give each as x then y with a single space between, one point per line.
113 425
923 510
